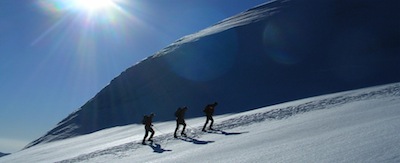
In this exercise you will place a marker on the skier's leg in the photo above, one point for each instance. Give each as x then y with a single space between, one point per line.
145 135
183 130
176 129
212 122
152 134
205 124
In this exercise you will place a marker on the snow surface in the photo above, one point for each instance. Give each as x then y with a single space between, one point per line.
354 126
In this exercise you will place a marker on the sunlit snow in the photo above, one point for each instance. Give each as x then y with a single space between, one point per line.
353 126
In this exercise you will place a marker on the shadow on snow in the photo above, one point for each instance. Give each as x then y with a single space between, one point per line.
195 141
225 133
157 148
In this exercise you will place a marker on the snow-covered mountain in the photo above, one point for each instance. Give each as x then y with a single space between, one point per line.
280 51
353 126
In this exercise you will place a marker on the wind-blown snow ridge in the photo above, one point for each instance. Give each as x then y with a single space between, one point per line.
305 105
253 15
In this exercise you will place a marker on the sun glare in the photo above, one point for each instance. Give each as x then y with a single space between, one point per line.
87 24
93 5
88 6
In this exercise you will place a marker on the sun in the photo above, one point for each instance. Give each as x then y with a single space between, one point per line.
88 24
93 5
82 6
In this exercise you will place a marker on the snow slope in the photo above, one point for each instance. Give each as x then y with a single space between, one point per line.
280 51
354 126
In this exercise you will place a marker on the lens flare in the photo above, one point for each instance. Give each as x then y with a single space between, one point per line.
276 46
210 57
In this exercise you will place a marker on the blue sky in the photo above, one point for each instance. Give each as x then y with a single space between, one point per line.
55 56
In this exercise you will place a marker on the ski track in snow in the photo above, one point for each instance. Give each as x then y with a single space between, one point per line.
123 150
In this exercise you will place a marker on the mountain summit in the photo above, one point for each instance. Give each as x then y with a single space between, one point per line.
276 52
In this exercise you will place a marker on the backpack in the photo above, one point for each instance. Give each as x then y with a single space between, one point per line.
177 112
144 119
207 109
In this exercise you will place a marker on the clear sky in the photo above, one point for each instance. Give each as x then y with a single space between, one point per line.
57 54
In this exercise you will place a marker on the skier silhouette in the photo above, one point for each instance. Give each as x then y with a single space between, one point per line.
147 121
209 111
180 115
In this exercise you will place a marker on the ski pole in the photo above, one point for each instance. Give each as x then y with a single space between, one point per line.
190 127
193 130
159 130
